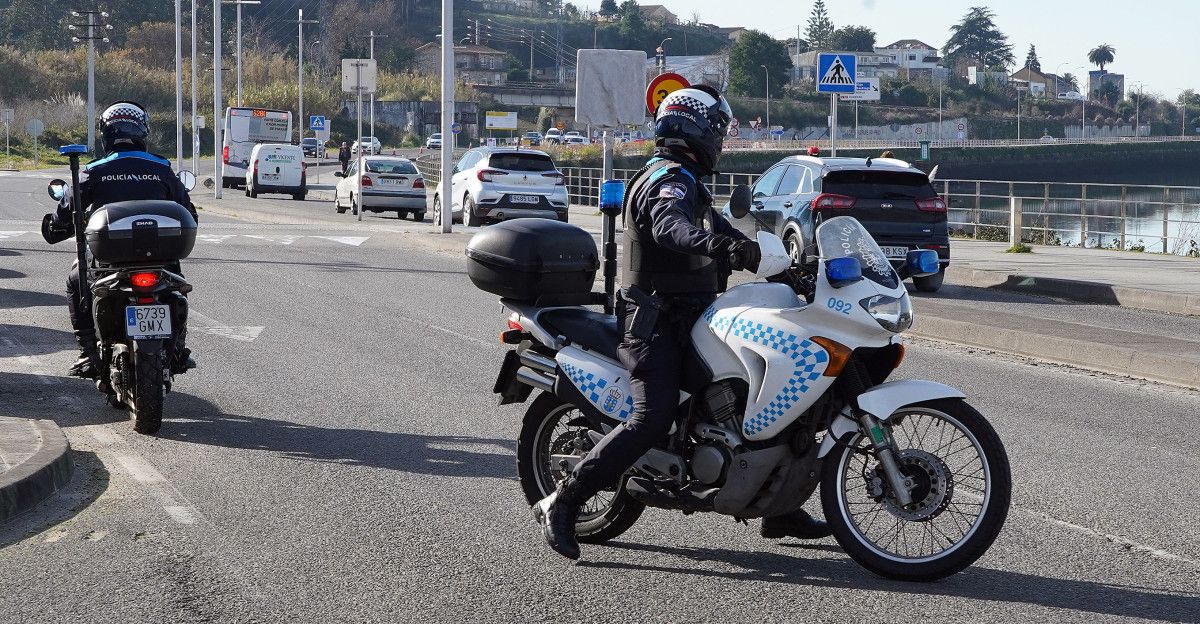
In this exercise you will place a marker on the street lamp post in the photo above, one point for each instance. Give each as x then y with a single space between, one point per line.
300 22
1137 112
239 4
767 73
373 37
661 51
447 150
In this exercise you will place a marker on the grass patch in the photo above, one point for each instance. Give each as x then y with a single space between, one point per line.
1019 248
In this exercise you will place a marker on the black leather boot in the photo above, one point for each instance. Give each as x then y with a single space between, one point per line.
181 358
557 514
88 365
797 524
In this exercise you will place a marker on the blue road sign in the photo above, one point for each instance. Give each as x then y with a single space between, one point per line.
456 127
836 73
316 122
777 132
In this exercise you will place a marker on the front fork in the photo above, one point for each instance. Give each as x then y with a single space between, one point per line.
885 447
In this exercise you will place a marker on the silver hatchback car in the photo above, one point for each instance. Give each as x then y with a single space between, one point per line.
496 183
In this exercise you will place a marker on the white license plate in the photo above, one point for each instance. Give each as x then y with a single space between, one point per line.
270 176
895 252
387 182
524 199
153 321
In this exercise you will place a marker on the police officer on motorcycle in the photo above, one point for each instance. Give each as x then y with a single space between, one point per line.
677 248
126 172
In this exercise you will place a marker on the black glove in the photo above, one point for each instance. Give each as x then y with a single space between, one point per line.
54 231
744 256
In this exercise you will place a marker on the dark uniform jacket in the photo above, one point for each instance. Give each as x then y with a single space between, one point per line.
124 176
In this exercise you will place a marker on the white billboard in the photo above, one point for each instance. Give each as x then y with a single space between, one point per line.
499 120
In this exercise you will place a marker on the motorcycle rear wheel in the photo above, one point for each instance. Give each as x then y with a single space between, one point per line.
148 395
963 487
545 426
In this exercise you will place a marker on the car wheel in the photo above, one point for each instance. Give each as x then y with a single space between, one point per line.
930 283
337 205
251 191
399 214
794 248
469 218
418 217
353 205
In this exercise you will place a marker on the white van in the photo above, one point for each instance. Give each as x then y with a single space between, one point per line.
277 168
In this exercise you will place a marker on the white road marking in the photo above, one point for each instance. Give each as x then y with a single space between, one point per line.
11 233
114 447
285 239
1116 539
140 469
209 325
181 514
215 238
345 240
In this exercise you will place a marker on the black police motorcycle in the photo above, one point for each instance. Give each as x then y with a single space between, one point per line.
124 253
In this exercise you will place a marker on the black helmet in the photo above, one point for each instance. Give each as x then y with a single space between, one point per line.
693 119
123 125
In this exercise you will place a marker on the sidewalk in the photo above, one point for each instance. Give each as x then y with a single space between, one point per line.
1135 280
35 462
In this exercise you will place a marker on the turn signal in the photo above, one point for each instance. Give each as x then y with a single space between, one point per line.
899 355
839 354
144 280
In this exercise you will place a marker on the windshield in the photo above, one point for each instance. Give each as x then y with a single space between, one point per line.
390 166
879 184
845 236
436 135
521 162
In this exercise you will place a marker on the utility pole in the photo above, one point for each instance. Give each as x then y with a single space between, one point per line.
239 4
192 125
447 167
300 22
91 37
179 84
218 122
373 37
1137 113
530 35
767 73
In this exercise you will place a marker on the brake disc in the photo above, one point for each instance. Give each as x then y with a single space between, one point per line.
932 490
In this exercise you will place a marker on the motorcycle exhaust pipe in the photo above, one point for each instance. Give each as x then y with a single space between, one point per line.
538 362
536 379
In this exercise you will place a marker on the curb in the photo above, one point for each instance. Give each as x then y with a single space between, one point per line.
1142 364
1078 290
34 480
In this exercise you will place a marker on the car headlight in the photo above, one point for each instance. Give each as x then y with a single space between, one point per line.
892 313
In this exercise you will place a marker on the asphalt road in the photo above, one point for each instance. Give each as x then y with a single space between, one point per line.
338 456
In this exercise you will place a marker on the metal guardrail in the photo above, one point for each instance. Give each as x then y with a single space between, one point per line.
849 143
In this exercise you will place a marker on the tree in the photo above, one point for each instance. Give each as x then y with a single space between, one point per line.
632 29
747 56
1188 97
1108 92
1031 60
820 28
1101 55
977 38
1068 81
608 8
853 39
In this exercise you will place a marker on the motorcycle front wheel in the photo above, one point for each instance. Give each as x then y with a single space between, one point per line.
552 427
961 489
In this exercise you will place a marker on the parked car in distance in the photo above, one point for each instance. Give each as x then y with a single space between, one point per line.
312 147
1071 95
894 200
505 183
277 168
370 145
574 140
388 183
553 136
573 133
1048 139
532 139
434 141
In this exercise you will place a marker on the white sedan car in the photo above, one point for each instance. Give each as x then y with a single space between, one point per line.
496 183
388 183
370 144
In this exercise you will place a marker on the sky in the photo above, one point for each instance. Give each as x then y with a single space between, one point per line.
1157 41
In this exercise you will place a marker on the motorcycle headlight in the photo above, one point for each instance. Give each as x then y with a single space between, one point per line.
892 313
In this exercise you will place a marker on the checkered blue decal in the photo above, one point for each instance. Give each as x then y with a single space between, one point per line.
605 395
808 358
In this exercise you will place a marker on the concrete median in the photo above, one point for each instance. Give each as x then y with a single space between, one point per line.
35 462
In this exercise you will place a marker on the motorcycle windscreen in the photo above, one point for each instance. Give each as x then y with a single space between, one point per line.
846 237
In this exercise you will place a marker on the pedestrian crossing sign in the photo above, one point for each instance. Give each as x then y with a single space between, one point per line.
836 73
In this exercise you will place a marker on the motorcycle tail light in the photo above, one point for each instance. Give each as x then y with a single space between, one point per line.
513 323
144 280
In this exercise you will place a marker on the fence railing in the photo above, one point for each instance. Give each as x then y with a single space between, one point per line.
844 142
1164 219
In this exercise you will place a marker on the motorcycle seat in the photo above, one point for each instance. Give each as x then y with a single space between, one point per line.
593 331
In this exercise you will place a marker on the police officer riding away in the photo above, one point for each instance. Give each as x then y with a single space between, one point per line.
127 172
676 250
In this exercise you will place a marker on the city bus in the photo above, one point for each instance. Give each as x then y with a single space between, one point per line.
246 127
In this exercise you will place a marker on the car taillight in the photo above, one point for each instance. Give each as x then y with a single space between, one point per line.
932 204
418 183
225 154
485 175
829 201
144 280
366 181
256 169
559 179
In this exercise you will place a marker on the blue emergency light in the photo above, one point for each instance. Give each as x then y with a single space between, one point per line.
72 149
612 196
843 271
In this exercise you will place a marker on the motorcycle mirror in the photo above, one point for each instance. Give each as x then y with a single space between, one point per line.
187 178
57 189
338 174
739 201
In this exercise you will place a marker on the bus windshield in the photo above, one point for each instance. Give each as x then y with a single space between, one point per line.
257 125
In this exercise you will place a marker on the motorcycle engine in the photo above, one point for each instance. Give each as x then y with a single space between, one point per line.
719 406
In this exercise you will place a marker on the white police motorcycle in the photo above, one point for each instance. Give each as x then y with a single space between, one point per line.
786 390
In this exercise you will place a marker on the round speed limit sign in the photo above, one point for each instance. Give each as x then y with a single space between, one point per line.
661 87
